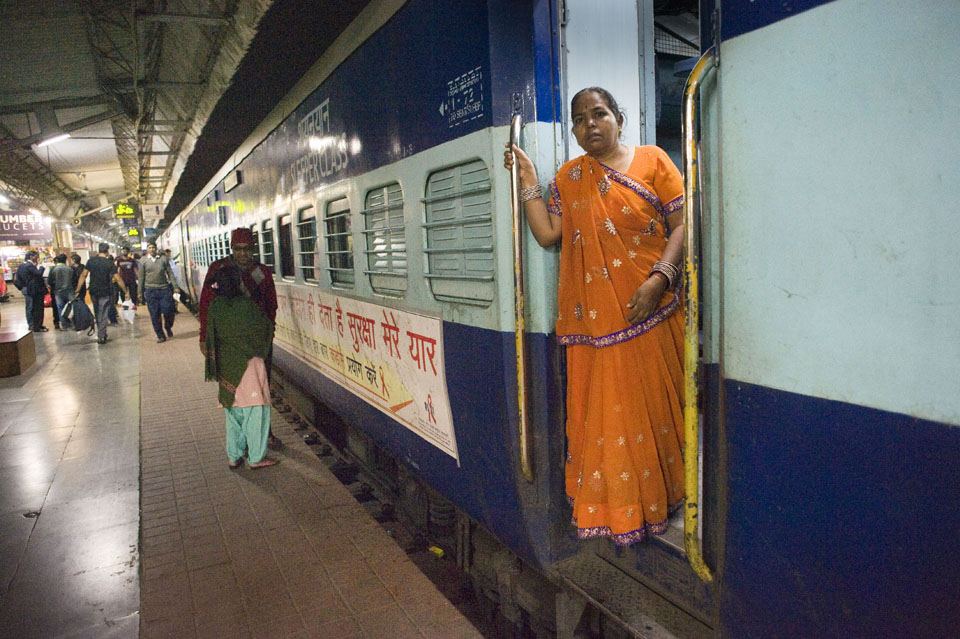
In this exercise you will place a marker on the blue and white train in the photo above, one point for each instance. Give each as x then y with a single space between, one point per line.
822 177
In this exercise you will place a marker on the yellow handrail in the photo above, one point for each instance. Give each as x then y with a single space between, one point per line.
526 466
691 350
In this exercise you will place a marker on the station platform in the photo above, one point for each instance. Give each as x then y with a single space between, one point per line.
119 517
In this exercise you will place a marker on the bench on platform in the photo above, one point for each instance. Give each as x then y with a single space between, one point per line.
17 351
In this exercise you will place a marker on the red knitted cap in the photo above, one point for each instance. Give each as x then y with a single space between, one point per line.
241 236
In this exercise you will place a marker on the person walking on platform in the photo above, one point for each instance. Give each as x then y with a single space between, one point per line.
127 267
103 274
29 279
176 277
156 285
77 270
238 339
62 287
257 284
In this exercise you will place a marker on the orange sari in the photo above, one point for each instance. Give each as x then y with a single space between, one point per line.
624 468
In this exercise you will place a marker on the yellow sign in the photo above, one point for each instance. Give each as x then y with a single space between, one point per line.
124 210
133 233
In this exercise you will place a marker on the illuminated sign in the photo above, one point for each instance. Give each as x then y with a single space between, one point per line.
124 211
133 233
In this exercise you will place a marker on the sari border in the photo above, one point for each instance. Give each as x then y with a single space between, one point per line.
673 205
557 207
630 537
625 334
634 185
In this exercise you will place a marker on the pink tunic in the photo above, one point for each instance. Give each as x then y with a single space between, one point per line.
253 389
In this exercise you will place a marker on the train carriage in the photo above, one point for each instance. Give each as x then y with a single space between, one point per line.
821 323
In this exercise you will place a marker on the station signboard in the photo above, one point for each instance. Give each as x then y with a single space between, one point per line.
124 211
18 226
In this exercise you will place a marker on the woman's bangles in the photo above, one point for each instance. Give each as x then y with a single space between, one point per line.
531 193
668 270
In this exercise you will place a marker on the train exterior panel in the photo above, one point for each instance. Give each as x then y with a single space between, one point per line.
830 348
840 347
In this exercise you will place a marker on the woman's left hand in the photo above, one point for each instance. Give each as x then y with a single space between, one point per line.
646 299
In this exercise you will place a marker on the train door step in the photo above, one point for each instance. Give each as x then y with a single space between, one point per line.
639 610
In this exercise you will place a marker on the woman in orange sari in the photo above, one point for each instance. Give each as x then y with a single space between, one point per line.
617 213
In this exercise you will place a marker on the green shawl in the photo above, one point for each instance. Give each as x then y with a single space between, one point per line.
237 331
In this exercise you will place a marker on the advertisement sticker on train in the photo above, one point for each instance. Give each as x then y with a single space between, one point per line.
464 98
392 359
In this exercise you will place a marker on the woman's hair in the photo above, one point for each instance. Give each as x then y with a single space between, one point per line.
226 282
605 95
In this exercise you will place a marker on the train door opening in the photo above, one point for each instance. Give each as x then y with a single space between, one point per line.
643 58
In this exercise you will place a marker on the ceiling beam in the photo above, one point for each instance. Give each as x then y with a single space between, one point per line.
168 16
10 145
61 103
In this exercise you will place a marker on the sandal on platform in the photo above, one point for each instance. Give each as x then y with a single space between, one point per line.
235 464
263 463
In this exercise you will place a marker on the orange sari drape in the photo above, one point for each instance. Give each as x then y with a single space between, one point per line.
624 468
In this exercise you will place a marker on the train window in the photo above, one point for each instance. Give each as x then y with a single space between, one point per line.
269 259
386 240
286 247
459 226
307 243
339 242
256 242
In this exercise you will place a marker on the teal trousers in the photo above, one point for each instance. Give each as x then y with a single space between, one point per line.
247 432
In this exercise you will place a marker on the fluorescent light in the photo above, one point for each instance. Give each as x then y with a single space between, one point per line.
4 199
57 138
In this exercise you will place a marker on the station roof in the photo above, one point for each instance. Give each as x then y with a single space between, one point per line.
155 95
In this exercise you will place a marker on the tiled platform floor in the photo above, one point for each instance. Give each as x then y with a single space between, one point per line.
274 552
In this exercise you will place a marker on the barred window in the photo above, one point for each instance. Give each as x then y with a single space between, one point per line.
459 226
307 243
268 257
286 247
339 242
256 242
224 246
386 239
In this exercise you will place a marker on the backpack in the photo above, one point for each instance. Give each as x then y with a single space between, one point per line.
16 280
82 316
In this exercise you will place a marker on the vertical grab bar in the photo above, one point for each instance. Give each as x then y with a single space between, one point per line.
518 307
691 350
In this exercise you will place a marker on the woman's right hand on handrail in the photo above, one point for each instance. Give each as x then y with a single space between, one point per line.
528 173
545 227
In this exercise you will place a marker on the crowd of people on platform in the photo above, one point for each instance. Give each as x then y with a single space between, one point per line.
149 280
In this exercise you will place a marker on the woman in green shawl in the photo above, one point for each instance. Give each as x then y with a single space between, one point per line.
238 340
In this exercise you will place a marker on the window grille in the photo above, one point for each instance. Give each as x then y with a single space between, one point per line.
386 239
256 242
339 242
286 247
268 257
307 243
459 227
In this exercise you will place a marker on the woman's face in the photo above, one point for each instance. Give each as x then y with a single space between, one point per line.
595 126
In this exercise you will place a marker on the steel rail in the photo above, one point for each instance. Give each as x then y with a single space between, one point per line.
691 350
526 466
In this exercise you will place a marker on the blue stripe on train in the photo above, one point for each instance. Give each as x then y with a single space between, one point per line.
843 521
743 16
480 384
